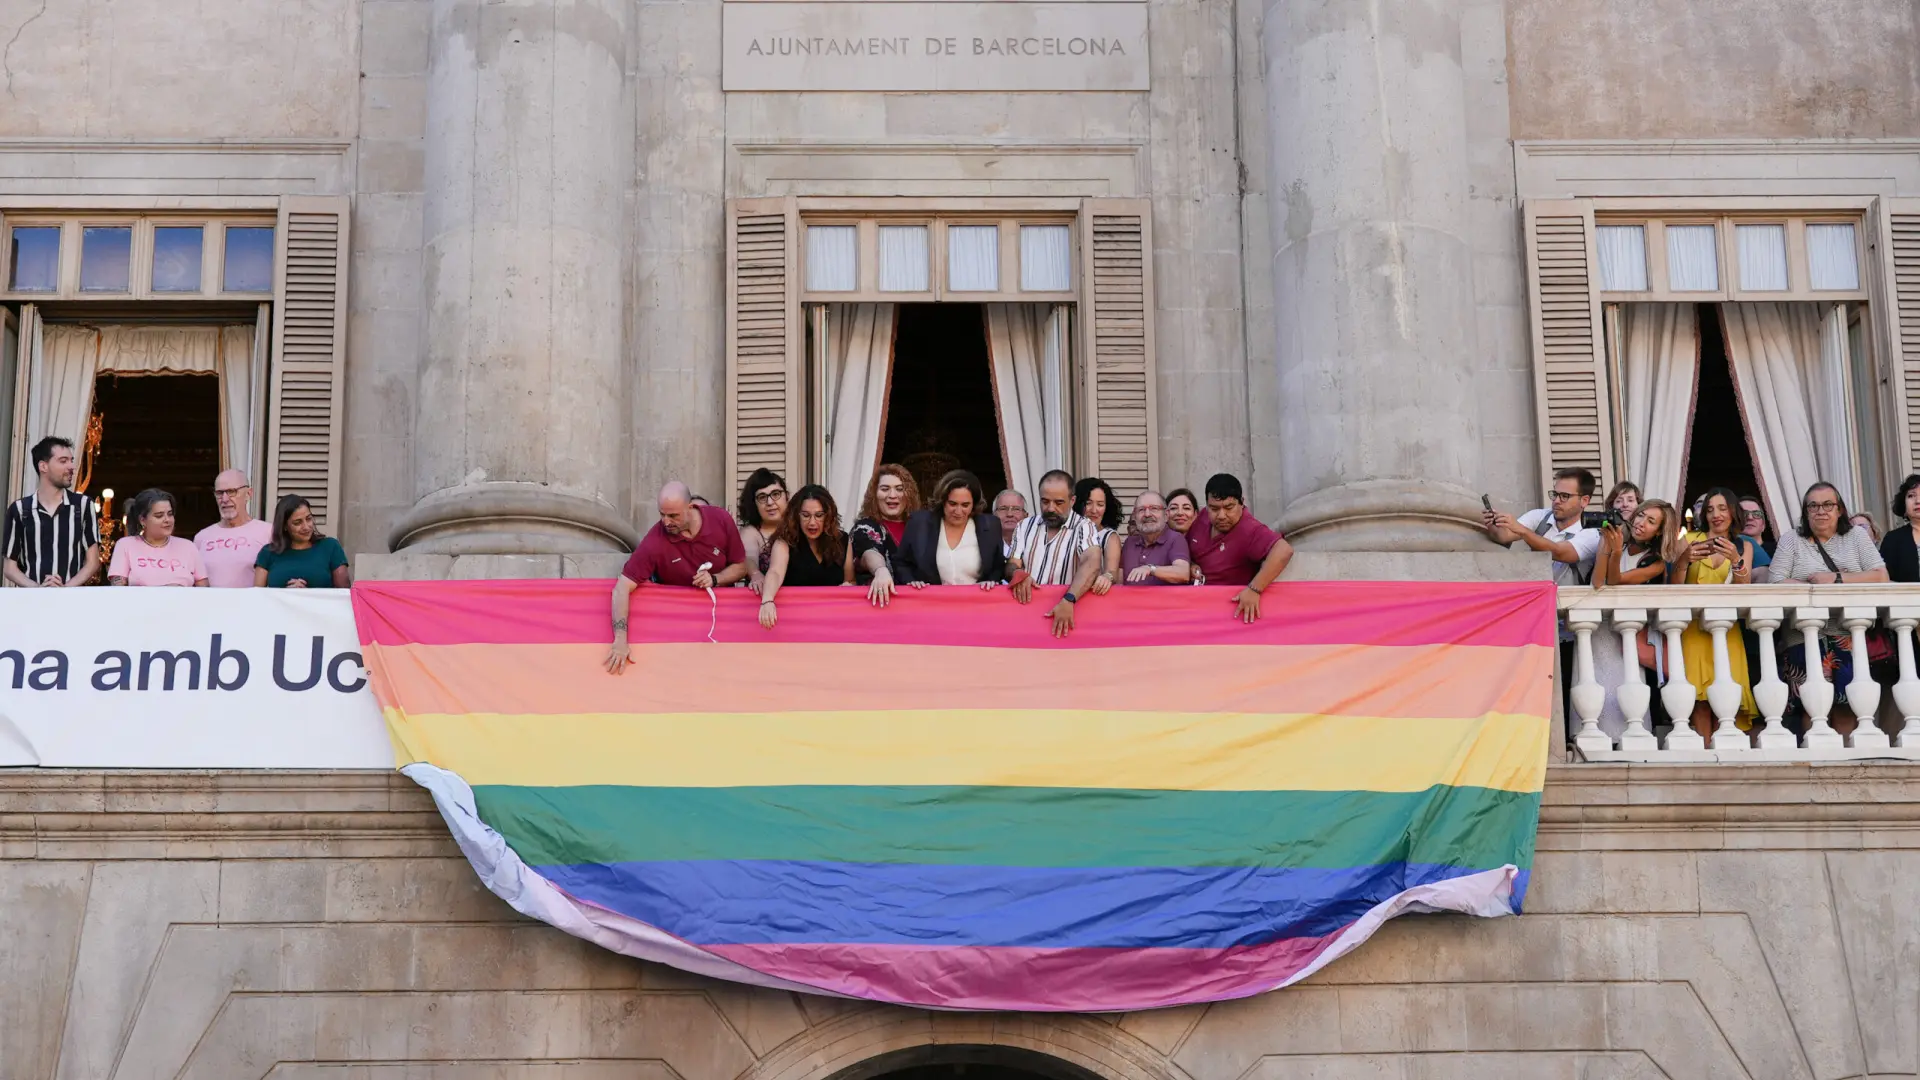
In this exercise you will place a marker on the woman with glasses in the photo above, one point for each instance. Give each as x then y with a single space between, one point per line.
763 504
1828 549
1901 549
1717 552
809 550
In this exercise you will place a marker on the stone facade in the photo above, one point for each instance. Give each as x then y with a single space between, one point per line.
535 325
1682 922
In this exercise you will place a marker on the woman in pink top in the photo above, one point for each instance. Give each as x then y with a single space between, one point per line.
150 554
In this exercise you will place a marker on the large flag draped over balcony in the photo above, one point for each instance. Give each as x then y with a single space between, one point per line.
939 804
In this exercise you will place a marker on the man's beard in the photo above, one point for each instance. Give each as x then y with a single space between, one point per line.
1151 530
1053 518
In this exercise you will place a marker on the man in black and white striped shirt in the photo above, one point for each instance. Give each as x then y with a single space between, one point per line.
52 537
1056 547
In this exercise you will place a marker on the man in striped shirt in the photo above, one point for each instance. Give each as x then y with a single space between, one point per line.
1055 547
52 537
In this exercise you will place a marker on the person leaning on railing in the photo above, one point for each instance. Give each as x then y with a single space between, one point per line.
952 541
1719 554
892 497
808 551
1636 555
1829 549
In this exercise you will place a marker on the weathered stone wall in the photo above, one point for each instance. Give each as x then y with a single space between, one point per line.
1654 69
1684 922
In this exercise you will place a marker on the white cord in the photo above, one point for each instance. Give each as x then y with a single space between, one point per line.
713 618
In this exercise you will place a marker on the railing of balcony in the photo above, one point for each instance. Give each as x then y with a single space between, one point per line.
1793 616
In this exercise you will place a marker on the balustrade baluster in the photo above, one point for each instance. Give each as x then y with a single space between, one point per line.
1723 693
1588 696
1769 692
1906 692
1863 694
1633 693
1816 694
1678 694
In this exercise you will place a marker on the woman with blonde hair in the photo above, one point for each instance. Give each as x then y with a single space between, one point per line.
891 498
1636 555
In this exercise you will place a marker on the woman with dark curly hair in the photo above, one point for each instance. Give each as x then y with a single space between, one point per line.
891 498
1094 500
809 550
1901 548
150 554
763 503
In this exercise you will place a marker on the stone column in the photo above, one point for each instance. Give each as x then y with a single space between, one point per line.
520 443
1372 275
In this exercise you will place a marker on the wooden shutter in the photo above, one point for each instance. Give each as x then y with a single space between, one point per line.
1116 333
1900 237
309 354
1569 355
763 339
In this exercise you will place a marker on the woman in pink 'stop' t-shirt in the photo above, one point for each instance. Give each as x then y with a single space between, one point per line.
150 554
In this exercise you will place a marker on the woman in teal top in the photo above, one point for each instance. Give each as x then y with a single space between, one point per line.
299 556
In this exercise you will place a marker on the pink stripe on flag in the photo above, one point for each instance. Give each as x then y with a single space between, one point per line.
1293 613
1028 979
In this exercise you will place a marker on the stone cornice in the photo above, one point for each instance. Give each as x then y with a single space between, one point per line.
203 814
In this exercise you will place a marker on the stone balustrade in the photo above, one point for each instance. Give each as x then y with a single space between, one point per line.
1789 616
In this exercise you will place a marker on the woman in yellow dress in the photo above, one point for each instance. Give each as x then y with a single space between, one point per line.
1716 555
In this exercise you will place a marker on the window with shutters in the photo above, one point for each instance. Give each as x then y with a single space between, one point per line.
228 316
1690 344
1004 337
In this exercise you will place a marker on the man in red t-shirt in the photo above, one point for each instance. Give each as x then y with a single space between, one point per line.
1231 547
696 546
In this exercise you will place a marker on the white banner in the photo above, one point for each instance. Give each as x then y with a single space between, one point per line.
185 678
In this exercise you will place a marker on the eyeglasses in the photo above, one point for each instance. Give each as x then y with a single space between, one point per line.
1755 515
1562 496
229 493
1822 507
769 497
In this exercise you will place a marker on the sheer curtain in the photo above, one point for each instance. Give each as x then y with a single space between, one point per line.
859 365
1789 374
1027 343
1657 352
60 394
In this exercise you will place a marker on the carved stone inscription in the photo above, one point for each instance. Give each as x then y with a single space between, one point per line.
950 45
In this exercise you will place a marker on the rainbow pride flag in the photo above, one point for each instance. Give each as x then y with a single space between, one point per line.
938 804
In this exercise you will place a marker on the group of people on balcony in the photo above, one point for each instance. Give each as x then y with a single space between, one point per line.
1650 542
788 540
52 537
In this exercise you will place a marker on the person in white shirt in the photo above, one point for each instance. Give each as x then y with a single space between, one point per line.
229 546
1556 528
1055 548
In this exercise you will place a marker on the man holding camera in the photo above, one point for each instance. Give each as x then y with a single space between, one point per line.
1557 528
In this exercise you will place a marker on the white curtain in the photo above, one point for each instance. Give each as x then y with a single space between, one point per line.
973 258
858 366
1027 343
72 356
60 395
1657 353
1789 372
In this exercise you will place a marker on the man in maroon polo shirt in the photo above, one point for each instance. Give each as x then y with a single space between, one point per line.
690 546
1231 547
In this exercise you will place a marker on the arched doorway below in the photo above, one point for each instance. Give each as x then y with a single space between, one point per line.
964 1062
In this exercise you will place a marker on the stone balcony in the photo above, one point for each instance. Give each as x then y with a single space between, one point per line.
1787 616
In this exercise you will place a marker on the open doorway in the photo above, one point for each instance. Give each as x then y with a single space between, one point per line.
159 431
940 406
1719 453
